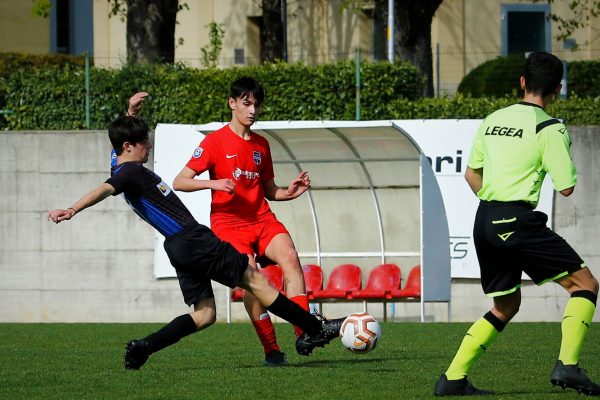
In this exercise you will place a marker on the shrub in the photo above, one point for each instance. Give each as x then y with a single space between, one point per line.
574 111
494 78
54 97
583 78
500 77
12 62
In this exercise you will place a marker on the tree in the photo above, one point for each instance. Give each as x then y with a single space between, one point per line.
583 12
412 25
150 28
412 28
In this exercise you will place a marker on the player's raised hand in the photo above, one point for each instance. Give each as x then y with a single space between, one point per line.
299 185
59 215
135 103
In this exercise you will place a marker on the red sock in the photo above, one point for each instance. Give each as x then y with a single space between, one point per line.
266 333
302 301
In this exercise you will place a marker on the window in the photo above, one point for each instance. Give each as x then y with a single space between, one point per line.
525 28
71 29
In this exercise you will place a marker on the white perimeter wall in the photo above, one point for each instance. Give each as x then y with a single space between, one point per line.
99 266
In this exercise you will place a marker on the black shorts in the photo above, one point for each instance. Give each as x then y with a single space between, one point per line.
199 256
511 238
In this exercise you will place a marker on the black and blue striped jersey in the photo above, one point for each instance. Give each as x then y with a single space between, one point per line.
151 198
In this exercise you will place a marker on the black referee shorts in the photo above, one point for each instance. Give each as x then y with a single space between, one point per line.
199 256
511 238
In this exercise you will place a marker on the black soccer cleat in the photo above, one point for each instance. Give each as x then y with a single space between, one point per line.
275 358
571 376
460 387
136 354
330 330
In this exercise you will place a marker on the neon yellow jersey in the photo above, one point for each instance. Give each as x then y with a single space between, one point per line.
516 146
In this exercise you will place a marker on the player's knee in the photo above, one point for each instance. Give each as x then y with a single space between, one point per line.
253 280
506 312
594 285
580 280
290 262
205 318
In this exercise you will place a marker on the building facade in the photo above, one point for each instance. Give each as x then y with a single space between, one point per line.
465 33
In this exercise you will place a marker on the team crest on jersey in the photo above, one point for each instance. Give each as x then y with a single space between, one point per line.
257 157
198 152
164 188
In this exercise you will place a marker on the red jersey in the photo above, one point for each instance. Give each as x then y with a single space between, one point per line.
248 162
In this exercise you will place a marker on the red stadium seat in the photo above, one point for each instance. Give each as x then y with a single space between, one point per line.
413 284
382 280
343 280
273 274
313 279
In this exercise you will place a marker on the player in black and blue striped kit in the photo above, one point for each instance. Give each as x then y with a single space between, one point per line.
195 252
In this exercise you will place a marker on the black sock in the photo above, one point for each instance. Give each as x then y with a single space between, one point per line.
293 313
495 321
171 333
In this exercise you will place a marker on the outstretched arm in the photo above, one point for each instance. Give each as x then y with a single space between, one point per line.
297 186
185 182
93 197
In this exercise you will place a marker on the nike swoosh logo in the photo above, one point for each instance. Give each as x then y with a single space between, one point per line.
230 155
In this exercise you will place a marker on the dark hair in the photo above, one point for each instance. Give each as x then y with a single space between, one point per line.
247 87
543 73
127 129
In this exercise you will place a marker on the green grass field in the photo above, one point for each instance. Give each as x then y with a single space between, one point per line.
84 361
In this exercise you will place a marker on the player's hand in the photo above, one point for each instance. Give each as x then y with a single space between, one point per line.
135 103
224 185
299 185
59 215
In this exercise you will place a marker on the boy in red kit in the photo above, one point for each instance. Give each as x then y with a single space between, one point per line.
195 252
241 179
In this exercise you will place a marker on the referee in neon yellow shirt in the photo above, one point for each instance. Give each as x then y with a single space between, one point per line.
512 152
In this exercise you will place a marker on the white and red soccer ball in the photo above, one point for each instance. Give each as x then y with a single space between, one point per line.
360 332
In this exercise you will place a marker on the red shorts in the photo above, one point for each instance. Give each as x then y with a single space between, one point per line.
251 238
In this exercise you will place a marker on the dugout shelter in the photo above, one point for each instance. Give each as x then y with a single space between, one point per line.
374 197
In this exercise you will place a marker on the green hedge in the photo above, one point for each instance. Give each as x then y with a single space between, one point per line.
54 97
12 62
495 78
574 111
500 77
49 94
584 78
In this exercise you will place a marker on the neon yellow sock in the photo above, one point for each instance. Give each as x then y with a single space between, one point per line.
575 325
479 337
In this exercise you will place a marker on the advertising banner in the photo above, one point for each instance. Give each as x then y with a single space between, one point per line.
446 143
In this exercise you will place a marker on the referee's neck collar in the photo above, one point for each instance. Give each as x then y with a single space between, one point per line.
526 103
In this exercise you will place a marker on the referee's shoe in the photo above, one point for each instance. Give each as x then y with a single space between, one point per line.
571 376
459 387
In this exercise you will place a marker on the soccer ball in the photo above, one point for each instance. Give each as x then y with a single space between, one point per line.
360 332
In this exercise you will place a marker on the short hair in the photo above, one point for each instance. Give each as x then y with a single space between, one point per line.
543 73
245 87
127 129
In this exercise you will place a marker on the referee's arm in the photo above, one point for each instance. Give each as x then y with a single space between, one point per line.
474 178
567 192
